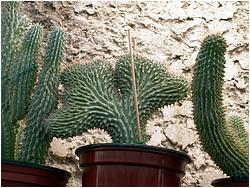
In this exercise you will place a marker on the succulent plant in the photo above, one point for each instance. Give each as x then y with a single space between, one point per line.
36 141
20 44
13 27
225 141
96 96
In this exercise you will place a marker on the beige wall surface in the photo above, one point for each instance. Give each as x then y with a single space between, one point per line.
168 32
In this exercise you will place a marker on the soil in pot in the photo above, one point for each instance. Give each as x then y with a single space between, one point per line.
231 182
131 165
20 174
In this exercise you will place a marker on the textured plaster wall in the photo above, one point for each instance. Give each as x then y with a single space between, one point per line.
167 32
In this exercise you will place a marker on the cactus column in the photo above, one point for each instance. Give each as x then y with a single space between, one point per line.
219 138
19 54
36 139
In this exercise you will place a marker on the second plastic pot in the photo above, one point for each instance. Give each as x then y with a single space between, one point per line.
21 174
231 182
131 165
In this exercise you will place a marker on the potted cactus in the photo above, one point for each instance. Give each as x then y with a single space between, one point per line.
226 141
23 165
98 96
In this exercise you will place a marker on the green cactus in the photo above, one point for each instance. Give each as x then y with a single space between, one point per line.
236 127
18 65
20 52
226 142
36 140
98 97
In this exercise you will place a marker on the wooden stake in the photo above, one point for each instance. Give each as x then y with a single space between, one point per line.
133 41
131 50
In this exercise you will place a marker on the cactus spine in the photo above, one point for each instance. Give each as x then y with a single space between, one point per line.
102 98
20 51
220 138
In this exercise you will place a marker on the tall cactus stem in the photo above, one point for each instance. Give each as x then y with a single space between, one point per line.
36 139
13 28
209 114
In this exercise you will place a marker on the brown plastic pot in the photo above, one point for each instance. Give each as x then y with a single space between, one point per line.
20 174
131 165
231 182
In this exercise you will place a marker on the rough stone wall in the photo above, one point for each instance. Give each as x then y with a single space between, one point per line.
167 32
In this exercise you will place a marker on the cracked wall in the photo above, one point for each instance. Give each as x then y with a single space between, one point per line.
168 32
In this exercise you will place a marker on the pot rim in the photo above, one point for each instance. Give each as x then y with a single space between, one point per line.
146 148
37 166
230 180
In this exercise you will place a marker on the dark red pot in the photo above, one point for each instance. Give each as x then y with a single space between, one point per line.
131 165
231 182
20 174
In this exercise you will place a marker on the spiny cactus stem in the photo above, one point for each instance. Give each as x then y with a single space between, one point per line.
220 139
131 49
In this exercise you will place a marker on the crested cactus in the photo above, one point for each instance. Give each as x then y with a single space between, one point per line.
20 44
225 141
99 97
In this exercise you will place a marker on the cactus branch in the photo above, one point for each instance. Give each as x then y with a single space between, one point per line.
209 114
36 139
236 128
